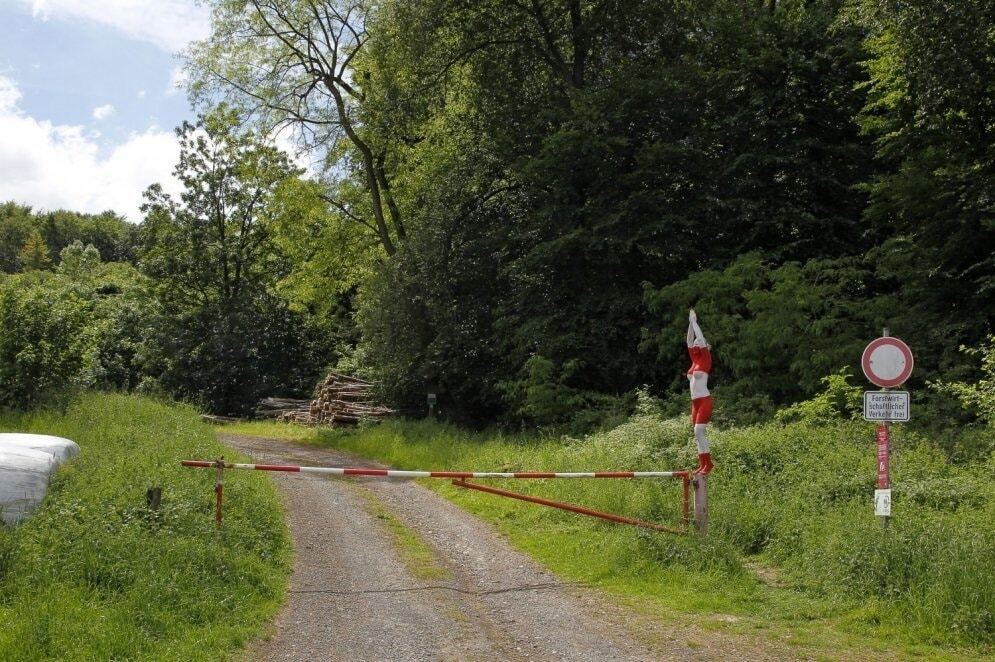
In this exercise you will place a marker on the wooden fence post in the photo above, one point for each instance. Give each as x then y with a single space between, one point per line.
700 484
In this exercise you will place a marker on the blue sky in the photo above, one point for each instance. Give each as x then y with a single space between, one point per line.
88 99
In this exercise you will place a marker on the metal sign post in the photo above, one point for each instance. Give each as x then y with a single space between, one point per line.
887 362
882 495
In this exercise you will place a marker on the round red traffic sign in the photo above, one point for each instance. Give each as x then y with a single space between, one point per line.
887 362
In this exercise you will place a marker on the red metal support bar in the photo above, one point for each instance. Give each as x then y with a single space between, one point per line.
686 500
219 488
462 482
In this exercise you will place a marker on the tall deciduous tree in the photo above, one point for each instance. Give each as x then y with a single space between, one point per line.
34 254
213 244
601 145
931 111
16 222
224 339
293 63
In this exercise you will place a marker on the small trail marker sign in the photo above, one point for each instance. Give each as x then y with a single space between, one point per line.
886 405
882 503
887 362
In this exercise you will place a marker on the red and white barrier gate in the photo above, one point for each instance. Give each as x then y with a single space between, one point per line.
460 479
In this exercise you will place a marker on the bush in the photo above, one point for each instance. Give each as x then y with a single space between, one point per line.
47 341
64 331
839 401
978 397
544 399
225 356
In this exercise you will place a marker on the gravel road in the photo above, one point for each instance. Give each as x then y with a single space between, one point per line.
354 596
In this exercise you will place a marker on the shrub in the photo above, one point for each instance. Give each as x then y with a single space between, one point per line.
978 397
838 401
47 342
82 327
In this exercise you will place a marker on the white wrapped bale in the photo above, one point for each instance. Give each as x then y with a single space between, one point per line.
58 447
26 464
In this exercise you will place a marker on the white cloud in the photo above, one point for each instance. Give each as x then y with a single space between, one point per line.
56 166
101 112
140 94
177 81
9 95
169 24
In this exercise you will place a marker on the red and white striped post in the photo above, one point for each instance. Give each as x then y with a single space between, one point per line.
460 478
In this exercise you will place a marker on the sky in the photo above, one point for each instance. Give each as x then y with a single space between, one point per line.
89 99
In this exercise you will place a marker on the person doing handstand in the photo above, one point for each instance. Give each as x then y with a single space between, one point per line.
701 399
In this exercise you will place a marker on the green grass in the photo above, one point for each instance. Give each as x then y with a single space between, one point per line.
269 429
415 553
96 575
795 499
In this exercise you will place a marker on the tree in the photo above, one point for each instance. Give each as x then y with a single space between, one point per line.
293 63
16 222
77 261
563 154
224 338
213 244
777 330
113 237
34 254
931 113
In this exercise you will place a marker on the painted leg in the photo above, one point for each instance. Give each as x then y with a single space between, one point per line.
704 456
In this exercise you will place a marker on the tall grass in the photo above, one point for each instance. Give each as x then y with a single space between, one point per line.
97 575
794 497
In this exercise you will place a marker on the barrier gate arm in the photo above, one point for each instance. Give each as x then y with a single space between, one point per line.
461 479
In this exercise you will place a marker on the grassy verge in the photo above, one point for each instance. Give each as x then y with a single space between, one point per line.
96 575
415 553
795 552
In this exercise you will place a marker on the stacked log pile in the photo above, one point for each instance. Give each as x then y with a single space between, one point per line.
340 400
277 407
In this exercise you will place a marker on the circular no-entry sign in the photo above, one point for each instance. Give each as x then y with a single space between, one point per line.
887 362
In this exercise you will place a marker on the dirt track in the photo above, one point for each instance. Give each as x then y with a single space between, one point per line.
355 596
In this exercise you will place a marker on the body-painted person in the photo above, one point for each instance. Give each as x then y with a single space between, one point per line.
701 399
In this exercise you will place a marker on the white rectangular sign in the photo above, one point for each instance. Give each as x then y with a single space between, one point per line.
882 503
886 405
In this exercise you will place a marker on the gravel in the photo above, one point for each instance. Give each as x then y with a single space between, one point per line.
353 598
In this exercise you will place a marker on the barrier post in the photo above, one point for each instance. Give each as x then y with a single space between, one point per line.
686 500
701 503
219 488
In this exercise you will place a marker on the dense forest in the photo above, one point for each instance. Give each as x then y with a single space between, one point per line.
514 203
